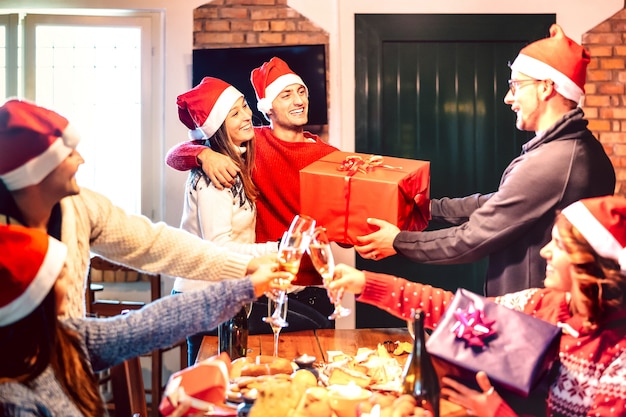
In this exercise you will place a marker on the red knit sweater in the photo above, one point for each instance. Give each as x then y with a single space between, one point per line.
592 376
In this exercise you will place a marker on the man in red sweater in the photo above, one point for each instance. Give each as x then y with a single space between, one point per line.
282 149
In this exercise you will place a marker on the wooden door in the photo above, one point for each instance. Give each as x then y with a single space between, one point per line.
431 87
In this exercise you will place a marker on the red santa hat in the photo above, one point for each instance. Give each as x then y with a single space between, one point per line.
30 262
204 108
557 58
602 222
270 79
33 142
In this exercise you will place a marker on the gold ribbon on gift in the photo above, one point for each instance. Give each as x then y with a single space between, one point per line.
352 164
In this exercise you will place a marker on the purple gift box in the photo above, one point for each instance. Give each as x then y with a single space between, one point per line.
514 349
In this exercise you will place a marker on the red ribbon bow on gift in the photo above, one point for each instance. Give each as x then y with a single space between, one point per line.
472 326
354 163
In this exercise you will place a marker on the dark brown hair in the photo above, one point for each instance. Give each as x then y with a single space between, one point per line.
220 142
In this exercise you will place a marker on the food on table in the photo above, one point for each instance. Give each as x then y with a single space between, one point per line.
285 391
344 399
314 403
260 365
391 405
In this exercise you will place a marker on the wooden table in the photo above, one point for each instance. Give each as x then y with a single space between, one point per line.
318 342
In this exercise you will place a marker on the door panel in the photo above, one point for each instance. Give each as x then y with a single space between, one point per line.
431 87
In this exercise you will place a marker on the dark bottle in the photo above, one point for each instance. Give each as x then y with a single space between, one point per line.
232 335
419 378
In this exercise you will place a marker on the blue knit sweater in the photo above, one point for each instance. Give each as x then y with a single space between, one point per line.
109 341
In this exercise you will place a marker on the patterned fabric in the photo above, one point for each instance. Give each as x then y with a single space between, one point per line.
592 377
112 340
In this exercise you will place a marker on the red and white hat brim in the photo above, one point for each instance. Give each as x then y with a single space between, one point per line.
40 286
539 70
273 90
600 239
36 169
219 112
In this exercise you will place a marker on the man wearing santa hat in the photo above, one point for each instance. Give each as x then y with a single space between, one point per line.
282 149
38 162
563 163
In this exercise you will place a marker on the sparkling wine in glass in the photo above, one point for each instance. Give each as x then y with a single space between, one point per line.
292 246
322 258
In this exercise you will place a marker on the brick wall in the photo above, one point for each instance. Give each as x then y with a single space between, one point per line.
249 23
605 102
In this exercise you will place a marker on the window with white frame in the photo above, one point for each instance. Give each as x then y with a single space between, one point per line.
98 71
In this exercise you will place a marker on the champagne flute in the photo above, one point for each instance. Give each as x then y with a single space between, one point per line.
292 246
322 258
276 308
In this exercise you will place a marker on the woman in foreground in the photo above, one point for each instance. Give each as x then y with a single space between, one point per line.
584 293
47 366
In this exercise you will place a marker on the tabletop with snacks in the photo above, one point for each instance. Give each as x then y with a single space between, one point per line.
325 373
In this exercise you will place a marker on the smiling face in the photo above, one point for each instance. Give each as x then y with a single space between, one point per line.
238 122
559 264
290 108
61 182
523 97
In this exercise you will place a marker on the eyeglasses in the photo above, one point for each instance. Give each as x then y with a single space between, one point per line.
515 84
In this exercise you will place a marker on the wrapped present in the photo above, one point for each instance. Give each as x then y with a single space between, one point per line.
205 383
341 190
516 350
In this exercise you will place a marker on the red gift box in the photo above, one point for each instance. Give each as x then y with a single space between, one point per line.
341 190
517 351
205 382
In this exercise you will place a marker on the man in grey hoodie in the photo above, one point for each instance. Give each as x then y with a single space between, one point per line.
563 163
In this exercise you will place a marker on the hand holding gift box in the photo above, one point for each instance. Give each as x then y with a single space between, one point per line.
516 350
205 383
341 190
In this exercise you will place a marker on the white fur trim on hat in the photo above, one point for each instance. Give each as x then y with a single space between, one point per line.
600 239
219 111
40 286
35 170
539 70
273 90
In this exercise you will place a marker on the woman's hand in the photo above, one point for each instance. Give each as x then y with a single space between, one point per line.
483 403
267 277
346 278
379 244
220 168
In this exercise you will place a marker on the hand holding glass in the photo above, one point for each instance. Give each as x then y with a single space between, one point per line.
322 258
290 251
